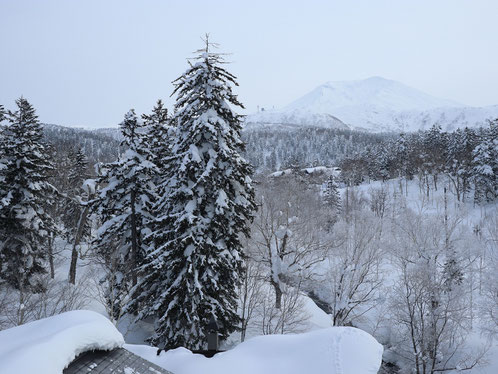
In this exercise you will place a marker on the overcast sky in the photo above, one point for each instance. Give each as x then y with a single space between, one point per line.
85 63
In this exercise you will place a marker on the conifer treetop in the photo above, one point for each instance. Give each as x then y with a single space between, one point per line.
205 85
129 129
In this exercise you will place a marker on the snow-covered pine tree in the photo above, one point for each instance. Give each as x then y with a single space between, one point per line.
3 165
25 226
196 260
459 160
383 163
485 165
123 205
435 144
332 198
469 142
77 174
78 171
158 139
2 161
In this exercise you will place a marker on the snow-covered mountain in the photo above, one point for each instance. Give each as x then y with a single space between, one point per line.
374 104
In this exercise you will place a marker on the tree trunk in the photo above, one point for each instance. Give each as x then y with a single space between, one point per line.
134 239
278 295
51 255
74 252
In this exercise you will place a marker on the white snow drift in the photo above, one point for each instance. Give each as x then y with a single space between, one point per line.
47 346
335 350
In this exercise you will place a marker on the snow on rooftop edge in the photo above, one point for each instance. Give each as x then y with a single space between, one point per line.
49 345
334 350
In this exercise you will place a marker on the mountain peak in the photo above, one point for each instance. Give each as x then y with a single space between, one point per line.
376 104
373 92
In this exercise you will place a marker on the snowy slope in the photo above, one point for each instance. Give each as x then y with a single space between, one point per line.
374 104
47 346
294 118
335 350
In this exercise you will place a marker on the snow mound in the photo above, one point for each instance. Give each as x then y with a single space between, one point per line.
335 350
49 345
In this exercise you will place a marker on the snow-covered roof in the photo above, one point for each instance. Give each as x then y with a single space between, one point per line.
117 361
49 345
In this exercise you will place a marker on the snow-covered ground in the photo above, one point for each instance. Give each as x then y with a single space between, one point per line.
47 346
335 350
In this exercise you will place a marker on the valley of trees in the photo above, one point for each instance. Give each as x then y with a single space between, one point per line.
394 234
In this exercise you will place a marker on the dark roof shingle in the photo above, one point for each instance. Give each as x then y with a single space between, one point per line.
117 361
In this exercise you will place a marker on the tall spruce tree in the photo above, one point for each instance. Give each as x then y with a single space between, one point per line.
158 130
485 165
459 160
123 206
332 199
3 164
25 226
196 257
77 174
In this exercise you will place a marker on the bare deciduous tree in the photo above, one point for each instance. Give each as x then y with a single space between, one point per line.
353 277
431 300
286 234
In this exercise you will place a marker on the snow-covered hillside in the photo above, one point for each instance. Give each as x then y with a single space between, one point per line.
374 104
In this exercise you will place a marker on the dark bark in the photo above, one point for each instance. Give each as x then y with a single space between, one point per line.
51 255
134 239
74 253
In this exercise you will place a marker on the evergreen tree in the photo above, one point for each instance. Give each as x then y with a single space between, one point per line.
123 206
25 225
435 144
195 261
2 139
158 139
485 165
332 198
78 171
383 163
459 160
77 174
